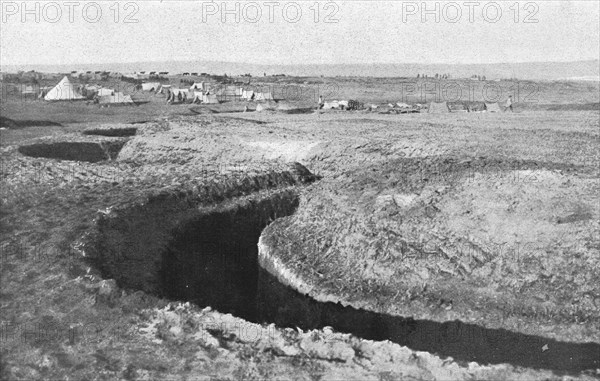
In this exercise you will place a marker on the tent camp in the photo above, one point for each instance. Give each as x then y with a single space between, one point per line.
150 86
492 107
177 95
116 99
438 108
184 92
64 91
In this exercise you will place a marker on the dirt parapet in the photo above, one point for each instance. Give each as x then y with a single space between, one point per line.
299 304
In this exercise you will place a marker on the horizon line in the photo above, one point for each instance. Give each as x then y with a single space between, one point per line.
303 64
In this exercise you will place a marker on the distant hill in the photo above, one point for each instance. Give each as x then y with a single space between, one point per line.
588 70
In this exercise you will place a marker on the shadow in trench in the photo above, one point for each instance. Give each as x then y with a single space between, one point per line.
213 258
212 261
75 151
279 304
112 132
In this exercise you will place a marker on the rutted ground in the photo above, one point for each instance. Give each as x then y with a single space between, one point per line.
135 335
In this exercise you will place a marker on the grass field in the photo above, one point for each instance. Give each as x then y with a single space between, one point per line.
418 220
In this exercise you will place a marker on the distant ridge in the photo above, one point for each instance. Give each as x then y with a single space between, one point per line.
526 70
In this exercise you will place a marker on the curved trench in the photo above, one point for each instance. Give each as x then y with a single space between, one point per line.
210 258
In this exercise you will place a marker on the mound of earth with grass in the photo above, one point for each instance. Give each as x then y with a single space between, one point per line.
443 239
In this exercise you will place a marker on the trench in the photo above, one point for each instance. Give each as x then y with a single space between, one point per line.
76 151
210 258
112 132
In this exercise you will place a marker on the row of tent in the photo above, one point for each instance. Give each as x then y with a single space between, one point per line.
444 107
177 95
436 107
65 90
201 91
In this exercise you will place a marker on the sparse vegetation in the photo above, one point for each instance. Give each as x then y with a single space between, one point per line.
490 219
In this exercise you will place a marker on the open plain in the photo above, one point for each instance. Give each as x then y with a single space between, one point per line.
153 242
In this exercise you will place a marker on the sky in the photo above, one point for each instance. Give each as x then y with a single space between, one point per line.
298 32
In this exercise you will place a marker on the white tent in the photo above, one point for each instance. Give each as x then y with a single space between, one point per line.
116 98
197 97
248 94
177 95
184 92
150 86
64 91
163 89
